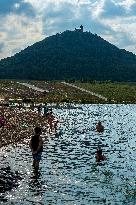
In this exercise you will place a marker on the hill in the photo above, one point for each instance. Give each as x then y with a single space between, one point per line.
71 55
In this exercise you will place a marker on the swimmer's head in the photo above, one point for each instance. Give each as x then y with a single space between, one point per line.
99 151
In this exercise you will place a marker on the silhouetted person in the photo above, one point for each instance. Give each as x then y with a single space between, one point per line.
99 127
45 109
36 145
2 121
39 109
32 106
56 125
50 119
99 156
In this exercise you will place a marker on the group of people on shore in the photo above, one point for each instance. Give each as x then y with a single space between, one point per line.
17 123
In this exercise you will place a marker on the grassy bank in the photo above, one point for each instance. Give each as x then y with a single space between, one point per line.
58 92
114 92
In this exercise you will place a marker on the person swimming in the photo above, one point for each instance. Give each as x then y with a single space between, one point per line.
99 127
99 156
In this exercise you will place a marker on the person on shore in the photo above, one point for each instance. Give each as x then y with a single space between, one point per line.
56 125
99 156
50 119
32 106
99 127
36 145
2 121
45 109
39 109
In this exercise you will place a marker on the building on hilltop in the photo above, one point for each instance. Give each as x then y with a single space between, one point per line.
79 29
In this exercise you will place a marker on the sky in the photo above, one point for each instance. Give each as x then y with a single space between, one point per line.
24 22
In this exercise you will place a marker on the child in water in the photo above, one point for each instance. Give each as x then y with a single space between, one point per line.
55 125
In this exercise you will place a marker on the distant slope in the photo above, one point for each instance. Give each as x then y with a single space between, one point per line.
71 55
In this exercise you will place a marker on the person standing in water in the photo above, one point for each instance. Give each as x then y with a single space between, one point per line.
45 109
50 119
56 125
36 145
99 127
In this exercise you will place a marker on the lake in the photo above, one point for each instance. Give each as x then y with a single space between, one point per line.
69 174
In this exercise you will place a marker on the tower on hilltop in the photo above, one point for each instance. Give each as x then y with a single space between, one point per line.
79 29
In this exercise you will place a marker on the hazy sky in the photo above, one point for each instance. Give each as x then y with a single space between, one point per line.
24 22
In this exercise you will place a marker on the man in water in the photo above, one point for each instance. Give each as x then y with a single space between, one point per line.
99 127
36 145
99 156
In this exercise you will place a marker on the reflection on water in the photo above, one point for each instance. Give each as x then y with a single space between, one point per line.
68 172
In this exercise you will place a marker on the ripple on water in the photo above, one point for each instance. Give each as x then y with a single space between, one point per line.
68 172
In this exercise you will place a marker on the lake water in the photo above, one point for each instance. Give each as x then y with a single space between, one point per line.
69 174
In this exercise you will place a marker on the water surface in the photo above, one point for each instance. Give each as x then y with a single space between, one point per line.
68 172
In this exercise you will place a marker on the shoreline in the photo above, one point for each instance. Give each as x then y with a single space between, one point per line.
65 92
20 124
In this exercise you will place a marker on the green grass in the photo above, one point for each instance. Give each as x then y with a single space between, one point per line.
115 92
58 92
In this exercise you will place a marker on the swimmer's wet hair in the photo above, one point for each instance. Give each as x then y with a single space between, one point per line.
37 130
99 151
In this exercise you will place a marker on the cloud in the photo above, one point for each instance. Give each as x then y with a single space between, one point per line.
119 22
25 8
7 6
1 46
97 8
111 9
19 31
67 16
16 6
127 4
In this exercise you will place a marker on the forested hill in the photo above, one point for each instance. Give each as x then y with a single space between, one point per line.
71 55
